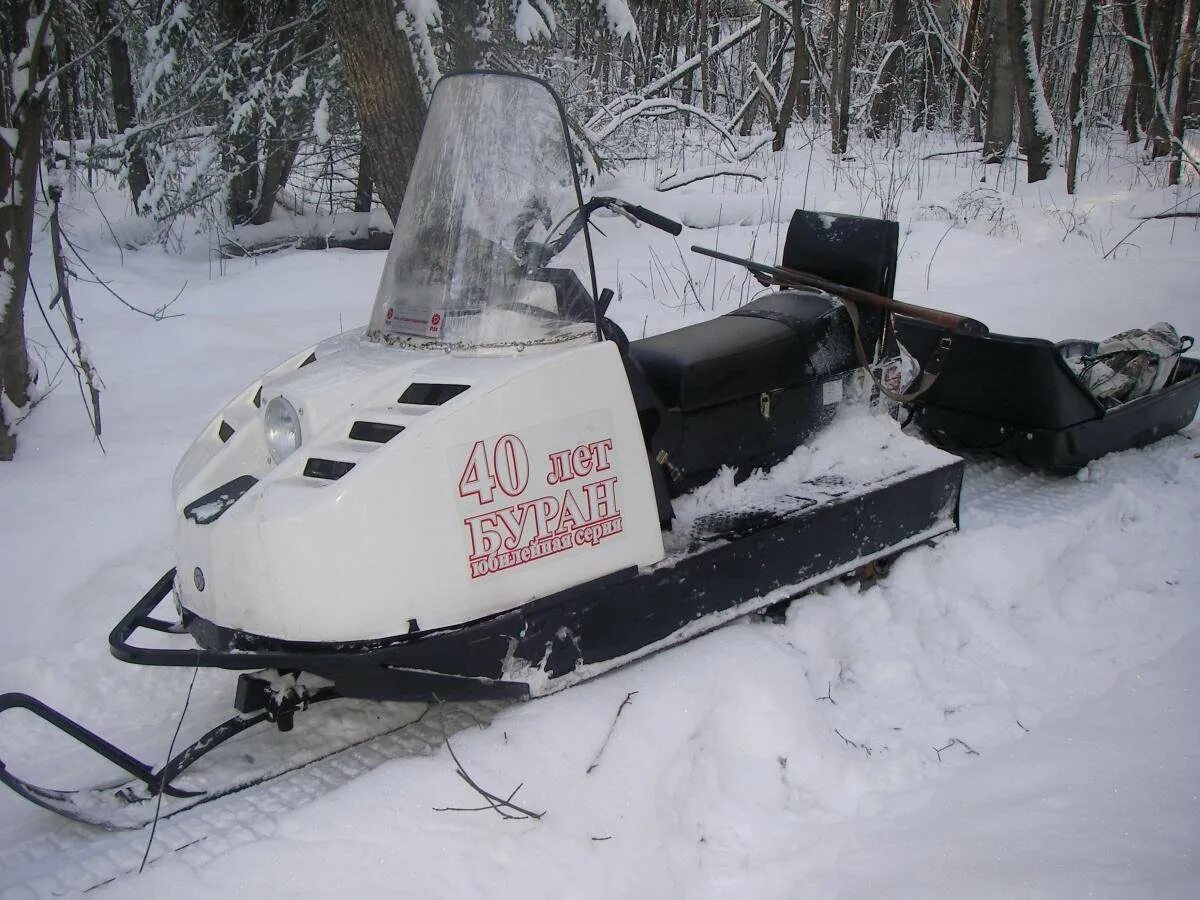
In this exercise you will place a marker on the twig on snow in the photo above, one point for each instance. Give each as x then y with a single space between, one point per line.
967 747
503 806
611 728
849 743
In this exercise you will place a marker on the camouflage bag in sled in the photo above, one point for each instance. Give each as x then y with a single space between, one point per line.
1131 364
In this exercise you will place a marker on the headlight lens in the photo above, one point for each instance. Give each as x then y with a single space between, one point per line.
282 428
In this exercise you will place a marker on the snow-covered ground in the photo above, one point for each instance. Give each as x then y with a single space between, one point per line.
1010 713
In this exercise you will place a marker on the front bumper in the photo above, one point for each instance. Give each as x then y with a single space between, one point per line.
419 667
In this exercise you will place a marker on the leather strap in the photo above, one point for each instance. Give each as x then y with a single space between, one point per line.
929 371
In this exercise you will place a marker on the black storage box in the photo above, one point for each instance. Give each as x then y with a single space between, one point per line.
1017 397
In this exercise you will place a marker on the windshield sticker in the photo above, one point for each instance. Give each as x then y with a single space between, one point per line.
525 499
421 322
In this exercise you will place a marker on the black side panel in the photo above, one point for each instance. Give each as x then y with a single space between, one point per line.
852 250
740 435
660 430
1022 382
723 359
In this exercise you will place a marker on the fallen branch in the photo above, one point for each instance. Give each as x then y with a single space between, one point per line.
611 728
375 240
662 106
1190 214
1162 214
503 806
682 179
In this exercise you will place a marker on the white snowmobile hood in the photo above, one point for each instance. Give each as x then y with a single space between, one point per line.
428 490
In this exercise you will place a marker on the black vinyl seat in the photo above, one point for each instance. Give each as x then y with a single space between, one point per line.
765 345
852 250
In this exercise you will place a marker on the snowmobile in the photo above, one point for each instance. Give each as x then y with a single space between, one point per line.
474 496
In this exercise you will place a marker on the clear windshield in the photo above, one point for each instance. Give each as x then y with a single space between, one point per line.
492 181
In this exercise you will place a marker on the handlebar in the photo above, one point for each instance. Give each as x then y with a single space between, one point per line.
540 254
650 217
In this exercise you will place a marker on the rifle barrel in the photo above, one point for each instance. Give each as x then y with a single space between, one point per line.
792 278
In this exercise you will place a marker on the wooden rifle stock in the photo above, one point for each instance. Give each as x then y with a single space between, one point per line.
767 274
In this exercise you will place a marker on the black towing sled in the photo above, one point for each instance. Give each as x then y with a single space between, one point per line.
1019 397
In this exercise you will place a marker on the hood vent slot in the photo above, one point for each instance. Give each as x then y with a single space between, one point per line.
207 509
424 394
225 432
258 396
379 432
308 360
328 469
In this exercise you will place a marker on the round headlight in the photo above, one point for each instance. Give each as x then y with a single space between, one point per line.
282 429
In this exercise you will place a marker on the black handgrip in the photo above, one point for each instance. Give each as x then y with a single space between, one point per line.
650 217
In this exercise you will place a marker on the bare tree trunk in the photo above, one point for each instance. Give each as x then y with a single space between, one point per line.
706 67
967 52
692 37
937 12
239 151
1037 20
841 134
1164 33
834 44
464 22
1034 109
789 98
762 43
1140 104
998 133
1183 88
802 60
124 102
883 104
24 115
364 185
1162 26
656 43
378 63
985 62
1079 75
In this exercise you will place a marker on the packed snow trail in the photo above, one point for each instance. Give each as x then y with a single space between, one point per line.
75 857
998 497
